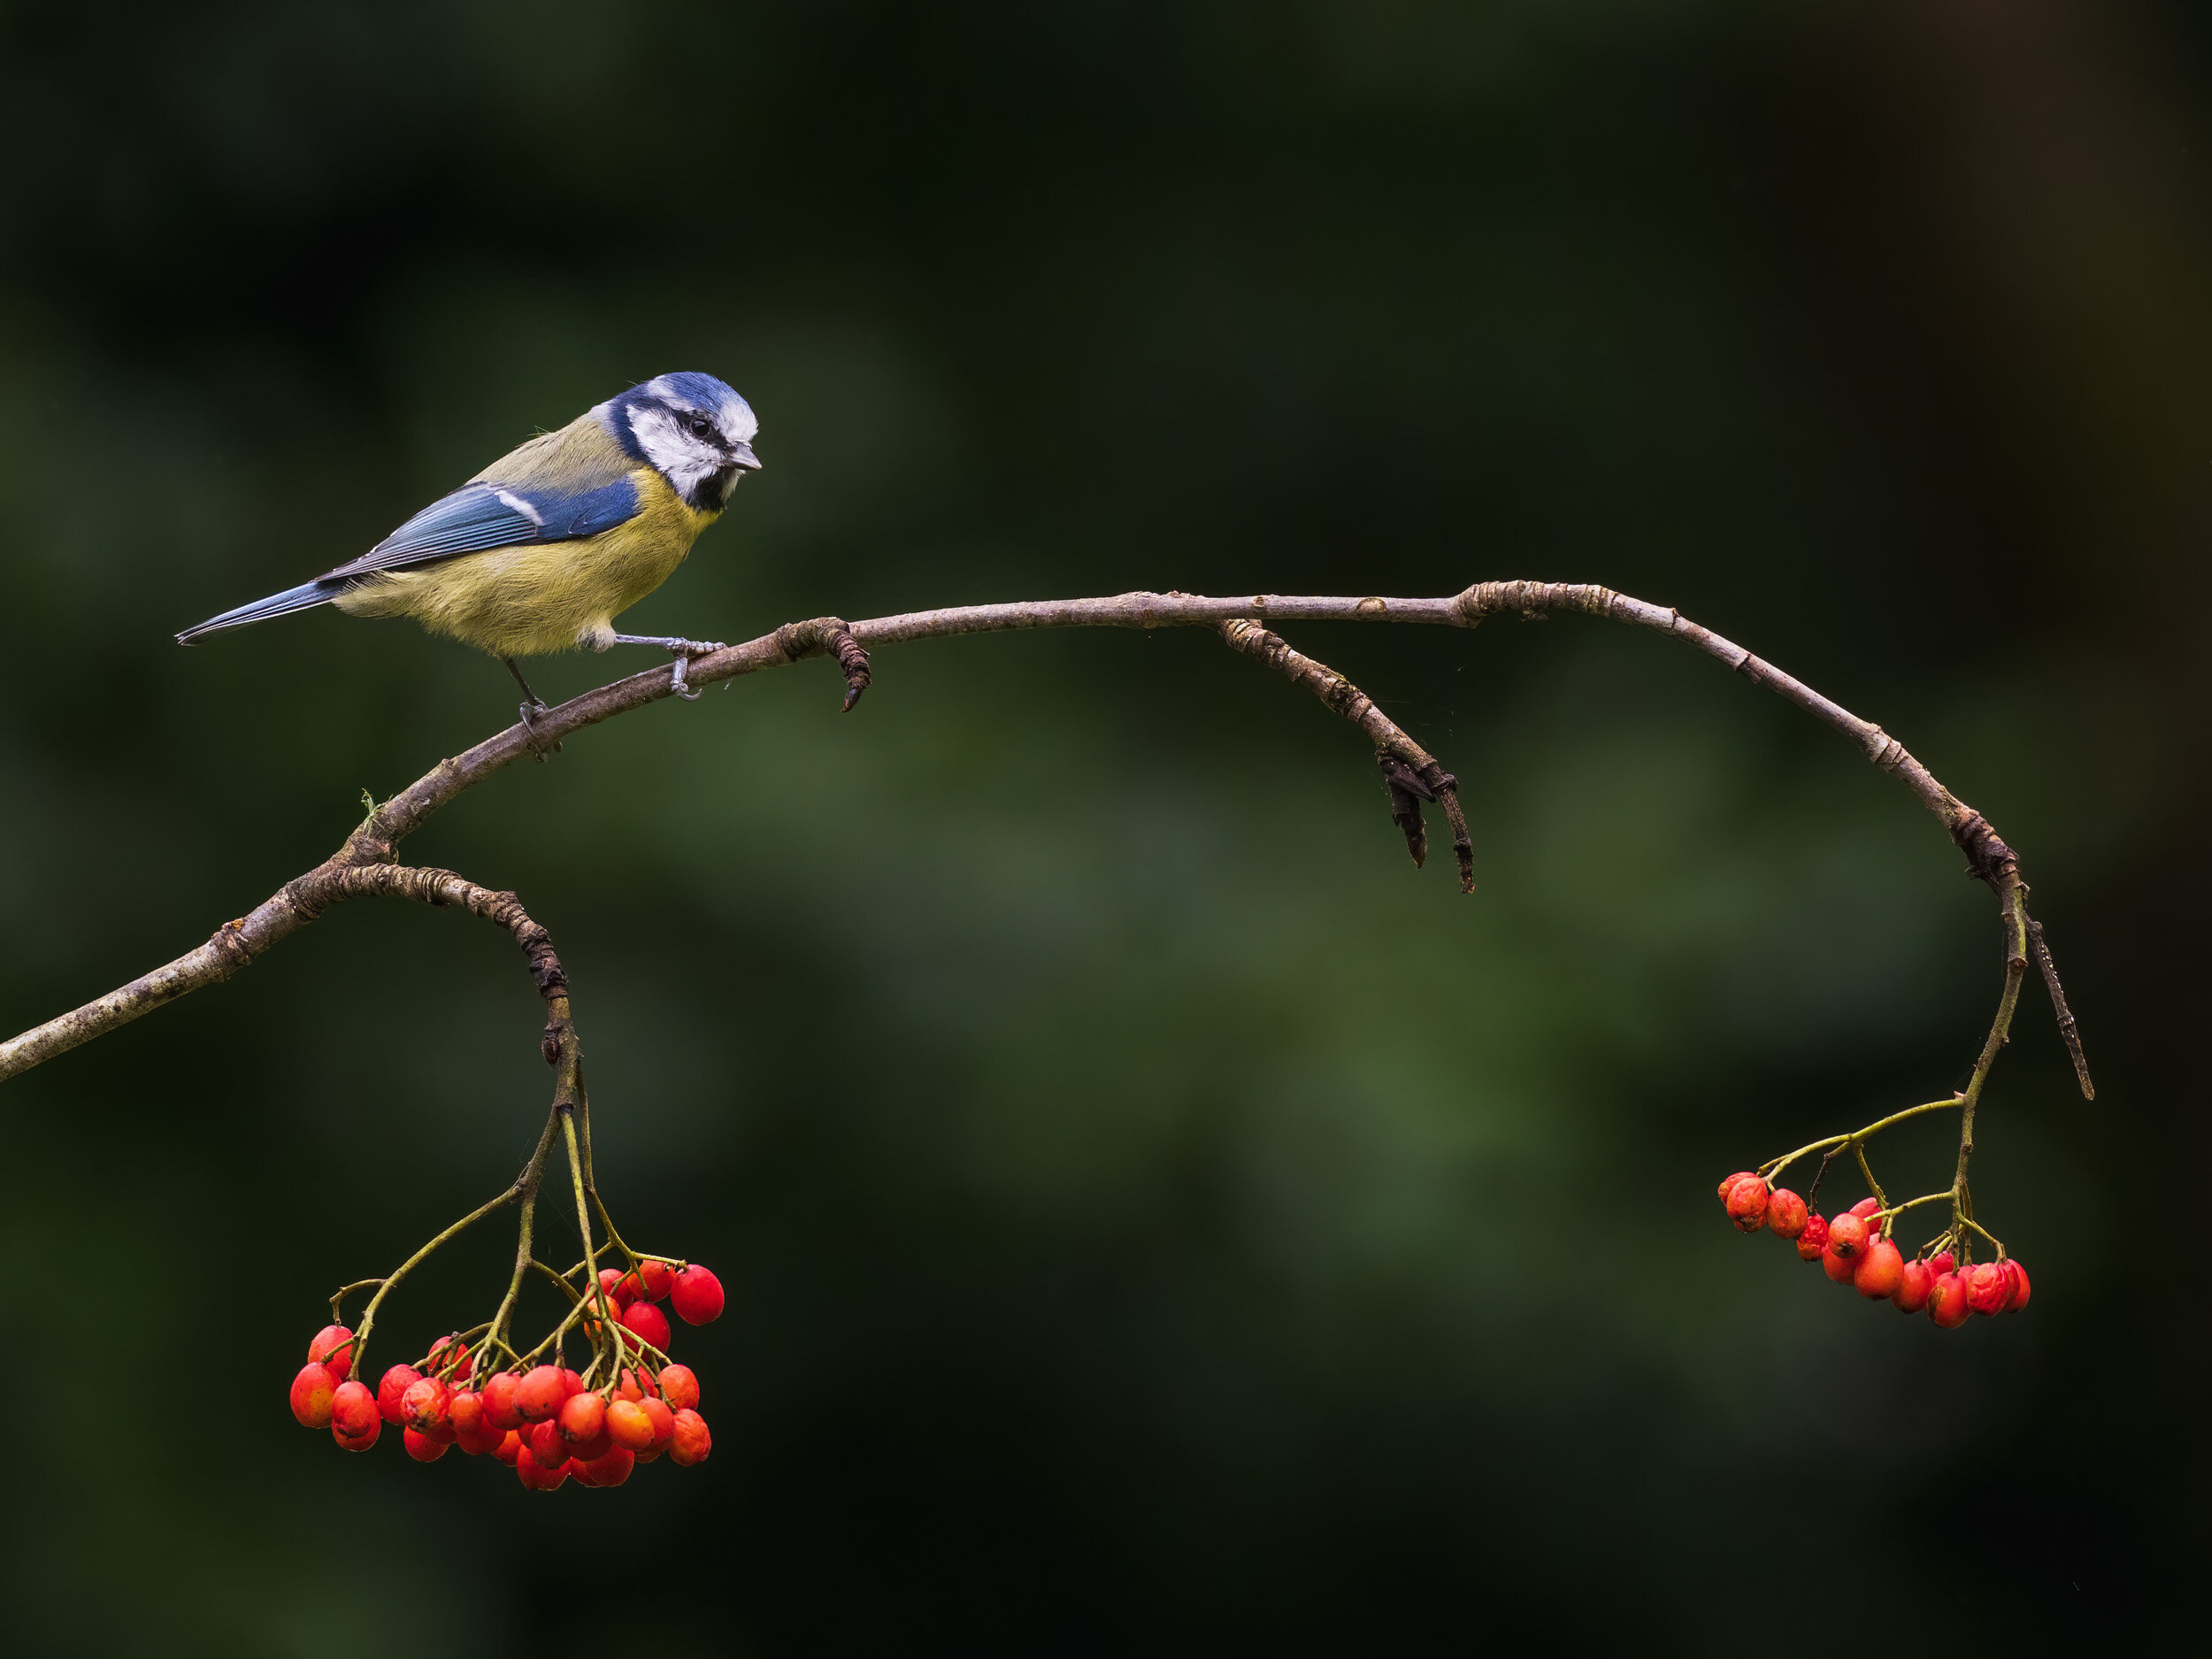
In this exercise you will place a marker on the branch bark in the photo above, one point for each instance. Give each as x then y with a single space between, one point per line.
1410 771
372 844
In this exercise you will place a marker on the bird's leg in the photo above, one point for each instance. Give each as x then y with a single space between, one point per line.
682 650
534 706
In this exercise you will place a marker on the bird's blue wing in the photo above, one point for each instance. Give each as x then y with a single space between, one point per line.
469 520
484 515
568 518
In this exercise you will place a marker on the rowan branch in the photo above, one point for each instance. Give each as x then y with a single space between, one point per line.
2058 1004
1409 771
372 843
312 893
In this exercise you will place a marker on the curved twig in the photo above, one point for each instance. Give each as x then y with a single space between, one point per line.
371 844
1410 771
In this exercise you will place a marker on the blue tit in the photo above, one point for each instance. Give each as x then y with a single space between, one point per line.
544 548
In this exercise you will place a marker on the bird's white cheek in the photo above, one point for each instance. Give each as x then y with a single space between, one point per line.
681 460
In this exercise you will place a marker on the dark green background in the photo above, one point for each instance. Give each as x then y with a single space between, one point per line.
1157 1220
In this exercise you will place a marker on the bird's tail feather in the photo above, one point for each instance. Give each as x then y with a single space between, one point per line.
305 596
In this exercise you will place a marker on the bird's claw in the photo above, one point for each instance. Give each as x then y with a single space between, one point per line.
685 651
543 752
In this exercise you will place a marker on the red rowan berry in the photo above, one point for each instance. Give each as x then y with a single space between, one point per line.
611 1468
1785 1213
691 1442
355 1422
680 1386
696 1297
1729 1181
540 1392
311 1391
393 1390
1867 1207
1847 1236
649 1323
422 1407
537 1476
464 1411
1880 1270
2019 1286
663 1421
582 1417
1814 1240
659 1280
546 1444
1947 1302
1912 1287
500 1409
629 1426
472 1432
636 1383
610 1285
509 1446
1943 1261
1839 1269
1988 1288
1747 1203
571 1383
422 1448
332 1346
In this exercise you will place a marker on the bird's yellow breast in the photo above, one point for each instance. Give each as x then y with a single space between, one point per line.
544 596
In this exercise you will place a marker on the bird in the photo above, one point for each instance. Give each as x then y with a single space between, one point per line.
544 548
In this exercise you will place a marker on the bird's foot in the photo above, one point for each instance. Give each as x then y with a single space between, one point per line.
544 752
532 704
682 649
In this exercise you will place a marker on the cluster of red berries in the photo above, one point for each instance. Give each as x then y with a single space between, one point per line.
1855 1249
543 1422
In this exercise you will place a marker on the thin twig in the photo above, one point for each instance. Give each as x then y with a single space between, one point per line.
1410 771
239 942
2058 1004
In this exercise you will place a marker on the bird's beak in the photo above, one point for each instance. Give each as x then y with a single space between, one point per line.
743 453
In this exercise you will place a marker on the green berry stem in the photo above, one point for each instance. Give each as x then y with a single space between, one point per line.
452 1347
1895 1211
2016 946
1834 1145
607 1221
1997 1242
1867 1170
344 1291
591 1251
368 1315
527 1182
2002 875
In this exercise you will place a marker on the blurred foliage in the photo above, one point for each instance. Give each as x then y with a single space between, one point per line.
1157 1220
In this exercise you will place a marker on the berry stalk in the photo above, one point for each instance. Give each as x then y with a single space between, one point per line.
527 1407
